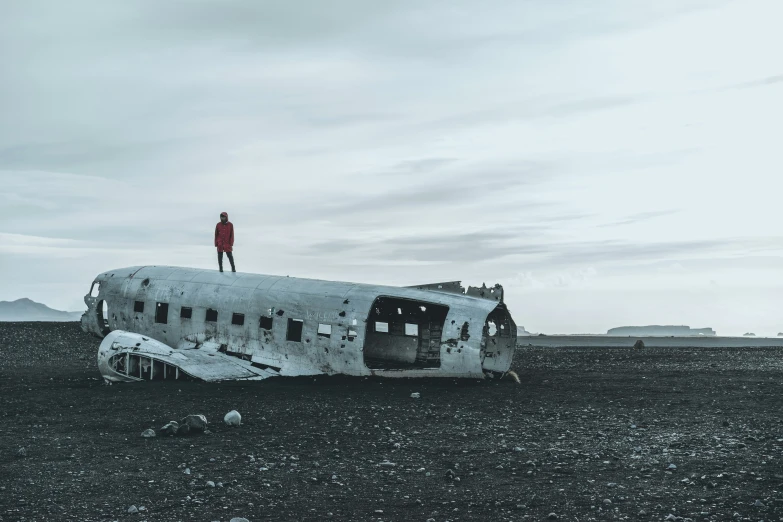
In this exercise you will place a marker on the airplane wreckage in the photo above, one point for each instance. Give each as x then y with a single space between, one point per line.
160 323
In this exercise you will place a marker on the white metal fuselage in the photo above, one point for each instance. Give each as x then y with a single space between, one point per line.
169 322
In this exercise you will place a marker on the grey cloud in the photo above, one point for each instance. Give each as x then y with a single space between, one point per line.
524 246
157 70
423 165
265 22
337 120
619 252
623 252
424 31
476 185
100 156
626 161
534 108
769 80
487 244
642 216
447 247
586 105
726 260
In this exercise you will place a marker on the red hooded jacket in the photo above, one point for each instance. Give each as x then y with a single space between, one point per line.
224 235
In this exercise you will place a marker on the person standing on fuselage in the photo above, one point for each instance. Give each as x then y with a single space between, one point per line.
224 240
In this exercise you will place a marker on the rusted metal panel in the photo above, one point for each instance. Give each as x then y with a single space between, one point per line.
280 321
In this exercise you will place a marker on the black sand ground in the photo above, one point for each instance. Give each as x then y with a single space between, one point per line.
589 435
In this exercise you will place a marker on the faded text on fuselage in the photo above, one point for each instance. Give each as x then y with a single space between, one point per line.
319 315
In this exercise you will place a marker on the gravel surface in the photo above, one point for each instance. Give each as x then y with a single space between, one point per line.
590 434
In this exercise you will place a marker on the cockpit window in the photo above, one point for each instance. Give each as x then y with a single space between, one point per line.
95 288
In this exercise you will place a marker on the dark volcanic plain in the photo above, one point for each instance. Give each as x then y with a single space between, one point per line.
589 435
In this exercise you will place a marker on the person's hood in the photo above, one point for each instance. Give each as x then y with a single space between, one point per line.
224 214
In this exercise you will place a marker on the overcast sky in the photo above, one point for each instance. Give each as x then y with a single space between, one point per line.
612 162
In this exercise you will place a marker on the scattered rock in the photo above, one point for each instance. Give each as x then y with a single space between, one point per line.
187 471
239 520
133 509
387 464
148 433
210 484
607 502
170 428
552 516
638 345
21 452
415 395
196 423
672 467
514 376
759 503
233 418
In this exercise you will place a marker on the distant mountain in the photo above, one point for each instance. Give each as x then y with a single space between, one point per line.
521 331
780 334
27 310
660 331
749 334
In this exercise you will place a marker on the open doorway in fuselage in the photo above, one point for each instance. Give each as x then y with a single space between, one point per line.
403 334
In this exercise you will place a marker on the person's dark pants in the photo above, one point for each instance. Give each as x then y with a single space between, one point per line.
230 260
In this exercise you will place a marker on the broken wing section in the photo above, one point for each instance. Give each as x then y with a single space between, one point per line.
130 357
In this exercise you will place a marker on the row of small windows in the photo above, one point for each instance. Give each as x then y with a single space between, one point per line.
295 326
411 329
186 312
293 332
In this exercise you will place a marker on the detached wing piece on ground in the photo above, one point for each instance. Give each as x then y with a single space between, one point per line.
170 322
126 356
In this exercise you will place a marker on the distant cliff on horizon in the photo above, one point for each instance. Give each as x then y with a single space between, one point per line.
660 331
27 310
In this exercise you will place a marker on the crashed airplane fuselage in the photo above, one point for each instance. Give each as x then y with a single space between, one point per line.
182 323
